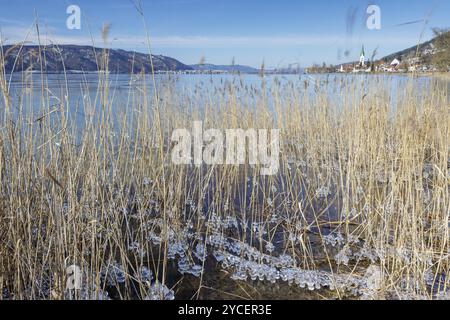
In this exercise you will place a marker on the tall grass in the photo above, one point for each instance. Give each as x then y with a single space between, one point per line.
363 185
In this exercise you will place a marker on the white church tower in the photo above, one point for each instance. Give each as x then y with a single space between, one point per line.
362 58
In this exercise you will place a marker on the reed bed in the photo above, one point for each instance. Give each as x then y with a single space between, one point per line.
358 209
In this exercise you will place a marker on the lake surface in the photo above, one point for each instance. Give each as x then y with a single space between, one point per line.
32 91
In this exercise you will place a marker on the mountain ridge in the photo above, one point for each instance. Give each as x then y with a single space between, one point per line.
79 58
425 50
57 59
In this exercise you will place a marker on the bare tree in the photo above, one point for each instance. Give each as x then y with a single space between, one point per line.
442 57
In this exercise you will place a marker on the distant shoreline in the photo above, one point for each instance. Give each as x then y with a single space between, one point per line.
75 72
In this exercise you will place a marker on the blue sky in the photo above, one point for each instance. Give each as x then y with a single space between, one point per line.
279 32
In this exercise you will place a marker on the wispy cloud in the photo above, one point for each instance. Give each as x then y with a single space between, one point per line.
49 35
10 21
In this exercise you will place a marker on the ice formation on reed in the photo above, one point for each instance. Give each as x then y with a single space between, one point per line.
158 291
113 274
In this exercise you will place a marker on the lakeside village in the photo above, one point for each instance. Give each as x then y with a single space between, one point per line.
413 64
390 64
